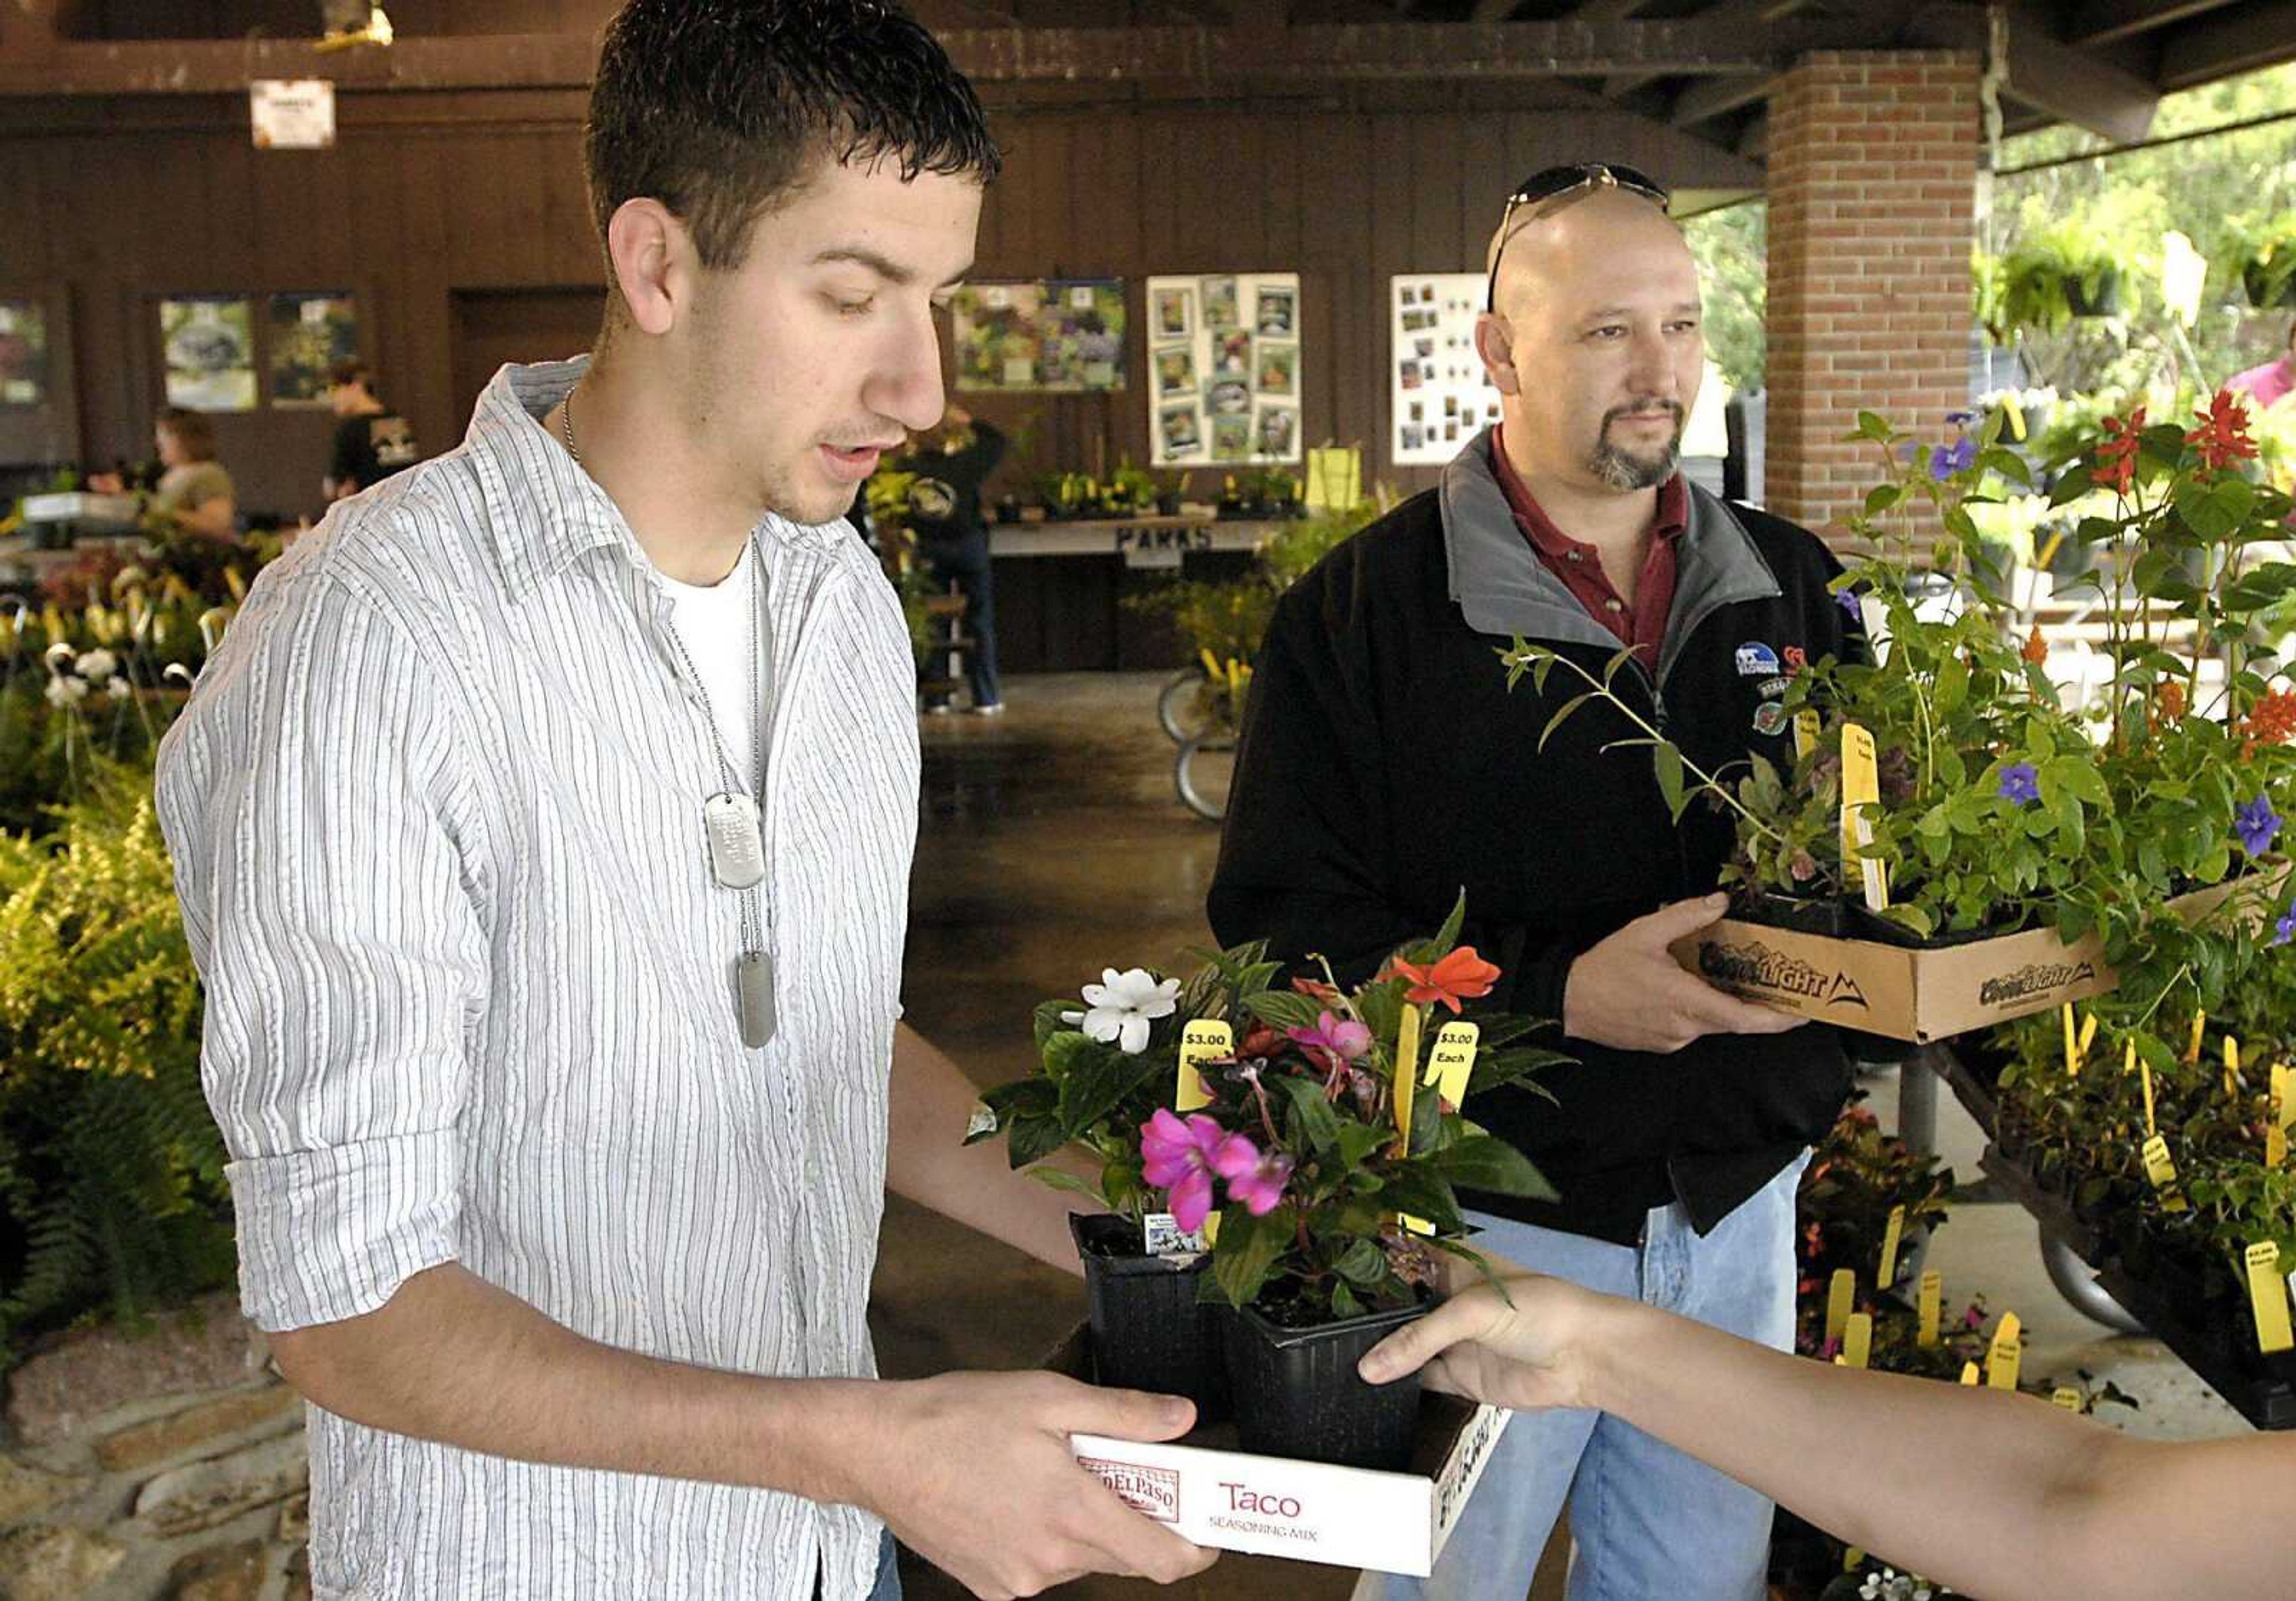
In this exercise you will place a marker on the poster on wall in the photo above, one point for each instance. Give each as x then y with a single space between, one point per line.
309 331
1224 354
209 344
1057 336
1441 395
24 354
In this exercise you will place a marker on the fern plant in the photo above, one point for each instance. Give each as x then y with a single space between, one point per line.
113 1195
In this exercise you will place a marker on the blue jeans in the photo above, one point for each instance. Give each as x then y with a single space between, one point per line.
1647 1520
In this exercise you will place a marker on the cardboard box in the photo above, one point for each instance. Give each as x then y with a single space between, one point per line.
1921 995
1217 1496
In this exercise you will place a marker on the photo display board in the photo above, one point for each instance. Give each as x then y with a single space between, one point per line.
1442 397
1224 380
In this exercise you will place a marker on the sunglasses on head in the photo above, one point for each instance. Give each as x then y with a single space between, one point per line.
1557 188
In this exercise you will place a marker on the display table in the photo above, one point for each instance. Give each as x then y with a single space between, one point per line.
22 563
1068 615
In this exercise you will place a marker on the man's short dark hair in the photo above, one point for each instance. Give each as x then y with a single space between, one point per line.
718 108
193 432
351 371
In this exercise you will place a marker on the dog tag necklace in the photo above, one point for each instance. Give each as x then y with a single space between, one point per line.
732 822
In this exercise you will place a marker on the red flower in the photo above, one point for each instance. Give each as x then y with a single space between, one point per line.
1316 989
2223 433
1259 1042
2116 458
2036 649
1462 975
2167 702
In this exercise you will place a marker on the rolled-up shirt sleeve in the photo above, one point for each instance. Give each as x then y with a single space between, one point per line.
318 805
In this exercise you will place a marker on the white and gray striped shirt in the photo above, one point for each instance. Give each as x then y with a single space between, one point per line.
435 812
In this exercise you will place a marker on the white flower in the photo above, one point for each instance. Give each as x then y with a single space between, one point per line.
98 665
1123 1005
120 688
64 690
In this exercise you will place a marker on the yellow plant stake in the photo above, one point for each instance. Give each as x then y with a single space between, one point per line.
2232 1067
1858 1339
2067 1397
2200 1028
1206 1040
2088 1036
2073 1046
2275 1120
1892 1236
1406 1081
2268 1295
1968 1374
2008 1353
1840 1300
1932 1303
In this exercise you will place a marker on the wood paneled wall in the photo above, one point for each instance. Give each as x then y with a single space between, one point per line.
428 194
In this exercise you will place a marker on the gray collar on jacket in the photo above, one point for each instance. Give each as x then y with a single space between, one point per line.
1504 588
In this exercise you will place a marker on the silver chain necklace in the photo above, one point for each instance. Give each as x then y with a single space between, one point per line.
733 824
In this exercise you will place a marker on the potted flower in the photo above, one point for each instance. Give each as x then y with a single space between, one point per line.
1298 1201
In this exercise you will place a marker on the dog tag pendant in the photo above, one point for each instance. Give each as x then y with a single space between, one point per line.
737 845
753 993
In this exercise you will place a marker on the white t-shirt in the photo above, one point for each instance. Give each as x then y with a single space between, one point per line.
719 627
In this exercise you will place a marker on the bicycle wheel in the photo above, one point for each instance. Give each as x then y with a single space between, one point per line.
1203 773
1180 705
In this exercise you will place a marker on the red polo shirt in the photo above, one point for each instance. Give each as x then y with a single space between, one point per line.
1579 566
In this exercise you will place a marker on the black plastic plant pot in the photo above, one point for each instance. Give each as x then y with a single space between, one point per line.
1297 1393
1866 924
1828 914
2104 302
1149 1330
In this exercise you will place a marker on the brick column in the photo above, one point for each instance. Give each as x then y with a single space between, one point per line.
1872 184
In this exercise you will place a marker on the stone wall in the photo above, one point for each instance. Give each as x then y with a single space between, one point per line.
165 1464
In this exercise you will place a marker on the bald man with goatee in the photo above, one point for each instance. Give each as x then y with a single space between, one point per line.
1385 764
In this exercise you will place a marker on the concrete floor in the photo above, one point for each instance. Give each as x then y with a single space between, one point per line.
1053 845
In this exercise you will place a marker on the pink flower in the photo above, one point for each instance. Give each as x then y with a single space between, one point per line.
1333 1041
1256 1180
1181 1157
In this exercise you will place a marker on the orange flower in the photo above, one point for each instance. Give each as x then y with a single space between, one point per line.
2037 649
2271 722
2223 433
1462 975
2167 702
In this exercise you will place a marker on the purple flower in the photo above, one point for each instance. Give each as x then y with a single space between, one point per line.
1182 1157
1848 601
1946 460
1960 419
1335 1040
2019 783
2258 825
2284 930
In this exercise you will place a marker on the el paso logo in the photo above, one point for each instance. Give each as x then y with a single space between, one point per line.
1154 1491
1754 966
2038 978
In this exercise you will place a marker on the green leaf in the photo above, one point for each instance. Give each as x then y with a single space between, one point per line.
1480 1162
1283 1009
1667 759
1357 1141
1871 426
1881 498
1362 1263
1247 1249
1097 1083
2077 775
1032 1140
1048 1020
1319 1125
1416 1188
1447 937
1060 1179
1561 713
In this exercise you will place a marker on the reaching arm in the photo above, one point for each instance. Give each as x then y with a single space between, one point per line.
927 1161
1996 1495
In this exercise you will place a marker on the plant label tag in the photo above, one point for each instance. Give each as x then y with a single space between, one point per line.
2232 1067
1968 1374
1858 1340
1892 1237
1206 1040
982 1124
2275 1122
1841 1297
2066 1396
1406 1076
1932 1303
1861 786
2072 1042
2200 1032
1852 1560
1162 1233
2160 1168
737 844
1453 1061
1415 1225
2267 1291
2007 1355
2145 1069
1806 732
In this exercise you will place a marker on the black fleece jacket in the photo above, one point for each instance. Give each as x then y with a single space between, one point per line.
1385 764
